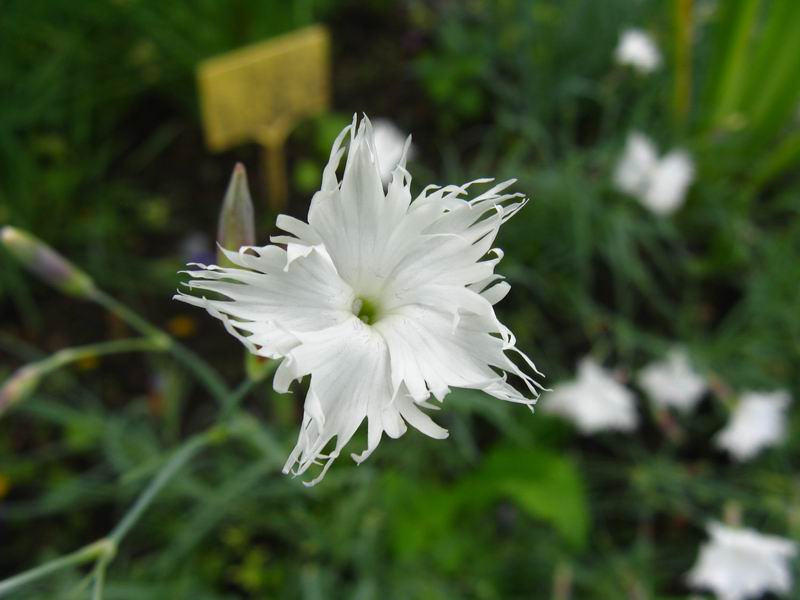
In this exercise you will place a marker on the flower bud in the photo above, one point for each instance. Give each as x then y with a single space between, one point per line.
46 263
19 386
236 223
257 367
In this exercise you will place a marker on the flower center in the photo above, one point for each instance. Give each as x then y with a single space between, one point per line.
366 309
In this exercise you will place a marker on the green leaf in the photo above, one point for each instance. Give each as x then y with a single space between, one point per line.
544 484
731 52
772 94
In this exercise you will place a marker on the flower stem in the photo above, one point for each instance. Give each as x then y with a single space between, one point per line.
204 372
22 383
70 355
244 388
99 576
681 92
562 581
92 552
236 398
103 551
183 455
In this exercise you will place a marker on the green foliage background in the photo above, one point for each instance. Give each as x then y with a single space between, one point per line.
101 155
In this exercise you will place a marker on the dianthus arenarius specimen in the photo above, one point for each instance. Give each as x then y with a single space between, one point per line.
382 300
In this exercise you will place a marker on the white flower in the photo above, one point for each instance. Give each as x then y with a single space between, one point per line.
594 401
638 50
659 184
673 382
759 421
390 146
741 563
381 300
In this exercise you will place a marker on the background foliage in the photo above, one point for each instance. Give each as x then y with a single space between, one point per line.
101 155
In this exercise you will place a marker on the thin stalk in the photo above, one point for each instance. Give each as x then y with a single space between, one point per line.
99 576
204 372
183 455
78 590
103 551
562 581
732 66
87 554
244 388
70 355
236 398
681 92
20 385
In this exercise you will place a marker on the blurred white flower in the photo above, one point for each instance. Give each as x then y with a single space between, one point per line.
594 401
660 184
759 421
739 563
672 382
638 50
389 143
381 300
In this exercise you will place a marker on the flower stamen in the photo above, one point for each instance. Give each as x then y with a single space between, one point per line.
366 309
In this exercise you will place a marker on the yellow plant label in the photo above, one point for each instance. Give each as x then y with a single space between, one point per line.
258 93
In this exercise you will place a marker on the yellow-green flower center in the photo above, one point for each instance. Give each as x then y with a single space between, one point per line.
366 309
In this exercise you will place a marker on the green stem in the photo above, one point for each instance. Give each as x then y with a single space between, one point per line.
71 355
563 581
78 591
87 554
236 398
244 388
22 383
102 551
183 455
204 372
681 93
99 576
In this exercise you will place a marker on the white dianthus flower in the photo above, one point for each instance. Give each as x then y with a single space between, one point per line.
673 382
594 401
759 421
381 300
638 50
739 563
660 184
390 146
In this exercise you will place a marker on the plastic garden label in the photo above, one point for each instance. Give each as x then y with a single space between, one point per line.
258 94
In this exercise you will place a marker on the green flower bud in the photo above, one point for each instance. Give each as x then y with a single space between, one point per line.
19 386
46 263
236 223
257 367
